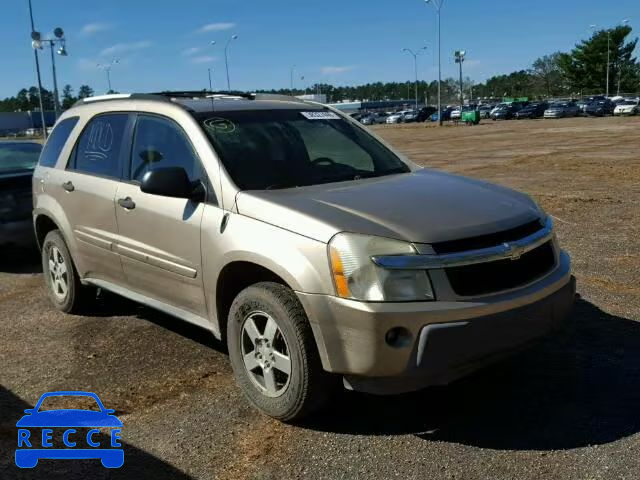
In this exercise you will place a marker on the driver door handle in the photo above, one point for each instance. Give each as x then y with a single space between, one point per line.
68 186
127 203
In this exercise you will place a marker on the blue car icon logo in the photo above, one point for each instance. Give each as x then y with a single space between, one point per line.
32 446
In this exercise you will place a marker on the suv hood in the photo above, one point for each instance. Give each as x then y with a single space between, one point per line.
423 206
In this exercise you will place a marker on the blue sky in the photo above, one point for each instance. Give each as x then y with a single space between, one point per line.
165 44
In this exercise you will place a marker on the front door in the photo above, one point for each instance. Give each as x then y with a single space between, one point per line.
159 237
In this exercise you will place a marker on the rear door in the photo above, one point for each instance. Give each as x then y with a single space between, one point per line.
86 191
159 239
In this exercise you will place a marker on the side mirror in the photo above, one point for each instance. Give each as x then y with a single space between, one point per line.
171 182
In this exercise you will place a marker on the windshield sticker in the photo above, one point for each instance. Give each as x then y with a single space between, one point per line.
322 115
219 125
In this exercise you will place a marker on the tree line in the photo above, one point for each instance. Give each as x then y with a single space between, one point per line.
582 71
27 99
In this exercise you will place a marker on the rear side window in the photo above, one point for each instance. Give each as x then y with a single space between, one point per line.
98 149
56 141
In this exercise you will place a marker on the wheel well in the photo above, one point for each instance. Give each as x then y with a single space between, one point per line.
234 278
44 225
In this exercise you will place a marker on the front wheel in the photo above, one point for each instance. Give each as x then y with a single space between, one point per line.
273 352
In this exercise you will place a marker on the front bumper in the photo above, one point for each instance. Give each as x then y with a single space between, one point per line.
448 338
17 233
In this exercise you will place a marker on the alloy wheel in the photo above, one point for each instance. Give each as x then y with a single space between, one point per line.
58 273
265 354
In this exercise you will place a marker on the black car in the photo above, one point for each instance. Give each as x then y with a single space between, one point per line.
425 113
599 108
17 161
505 112
534 110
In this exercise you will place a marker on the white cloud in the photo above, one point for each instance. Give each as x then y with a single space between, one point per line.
95 27
216 27
120 48
203 59
187 52
333 70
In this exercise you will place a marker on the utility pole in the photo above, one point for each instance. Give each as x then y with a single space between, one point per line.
459 58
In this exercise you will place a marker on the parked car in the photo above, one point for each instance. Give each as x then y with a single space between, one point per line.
17 161
599 108
446 115
397 117
293 234
627 107
533 110
425 113
485 110
505 112
410 116
561 110
373 118
455 113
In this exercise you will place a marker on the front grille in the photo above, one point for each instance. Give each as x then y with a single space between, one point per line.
489 240
500 275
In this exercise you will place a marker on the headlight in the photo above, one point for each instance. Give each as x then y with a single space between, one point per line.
356 276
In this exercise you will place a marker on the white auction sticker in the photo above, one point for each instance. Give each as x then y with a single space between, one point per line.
320 115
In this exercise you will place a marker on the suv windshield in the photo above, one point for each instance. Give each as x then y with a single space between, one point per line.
18 156
269 149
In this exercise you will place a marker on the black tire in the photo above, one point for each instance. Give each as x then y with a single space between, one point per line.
308 386
77 296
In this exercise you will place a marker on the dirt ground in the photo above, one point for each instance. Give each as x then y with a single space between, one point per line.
566 409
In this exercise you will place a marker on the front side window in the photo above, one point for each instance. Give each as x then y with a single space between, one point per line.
158 143
99 147
268 149
56 141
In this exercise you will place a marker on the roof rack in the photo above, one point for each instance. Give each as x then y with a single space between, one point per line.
167 96
204 94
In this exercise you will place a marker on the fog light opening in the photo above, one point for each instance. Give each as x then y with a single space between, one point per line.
398 337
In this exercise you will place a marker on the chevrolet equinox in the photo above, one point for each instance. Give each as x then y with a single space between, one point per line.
296 235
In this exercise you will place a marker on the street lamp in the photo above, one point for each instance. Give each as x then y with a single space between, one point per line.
293 67
415 64
35 39
593 27
437 4
62 51
226 60
107 68
459 58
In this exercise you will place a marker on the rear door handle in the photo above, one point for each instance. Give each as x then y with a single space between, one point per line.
68 186
127 203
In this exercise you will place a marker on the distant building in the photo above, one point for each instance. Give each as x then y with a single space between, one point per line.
22 122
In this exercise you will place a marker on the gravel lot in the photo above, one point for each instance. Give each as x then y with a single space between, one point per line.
566 409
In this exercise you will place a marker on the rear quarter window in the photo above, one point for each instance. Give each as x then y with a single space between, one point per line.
56 141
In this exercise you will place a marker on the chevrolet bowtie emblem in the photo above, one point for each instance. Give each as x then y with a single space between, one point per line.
513 251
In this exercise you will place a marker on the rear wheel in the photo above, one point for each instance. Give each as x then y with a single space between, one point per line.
63 283
273 353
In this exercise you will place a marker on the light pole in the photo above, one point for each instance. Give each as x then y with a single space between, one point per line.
459 58
226 60
415 65
35 39
107 68
293 67
212 43
62 51
593 27
437 4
